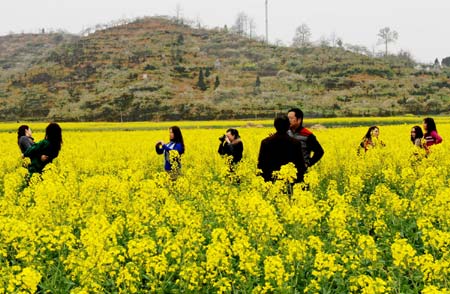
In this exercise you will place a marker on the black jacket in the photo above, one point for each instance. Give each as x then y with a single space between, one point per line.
232 149
277 150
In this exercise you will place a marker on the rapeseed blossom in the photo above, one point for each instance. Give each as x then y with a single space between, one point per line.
106 217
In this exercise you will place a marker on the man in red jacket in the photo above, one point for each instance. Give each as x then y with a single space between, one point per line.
306 137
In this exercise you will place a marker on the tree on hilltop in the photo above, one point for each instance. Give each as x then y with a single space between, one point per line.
386 36
302 36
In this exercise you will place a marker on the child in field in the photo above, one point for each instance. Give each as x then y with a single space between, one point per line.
172 151
431 135
370 139
417 136
46 150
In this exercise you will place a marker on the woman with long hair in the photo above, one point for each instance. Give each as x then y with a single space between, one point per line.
370 139
173 150
417 136
43 152
431 135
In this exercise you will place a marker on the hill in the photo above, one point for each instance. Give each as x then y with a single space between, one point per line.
150 69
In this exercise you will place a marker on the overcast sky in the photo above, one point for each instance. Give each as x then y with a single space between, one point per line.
423 26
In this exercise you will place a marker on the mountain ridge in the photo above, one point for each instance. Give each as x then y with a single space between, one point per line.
150 69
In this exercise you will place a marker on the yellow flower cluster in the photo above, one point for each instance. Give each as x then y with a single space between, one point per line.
105 217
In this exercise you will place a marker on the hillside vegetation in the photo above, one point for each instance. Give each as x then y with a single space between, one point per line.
149 70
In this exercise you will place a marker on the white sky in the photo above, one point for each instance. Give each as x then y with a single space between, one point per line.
423 26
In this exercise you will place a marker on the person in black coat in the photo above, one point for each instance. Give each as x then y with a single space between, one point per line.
280 149
231 145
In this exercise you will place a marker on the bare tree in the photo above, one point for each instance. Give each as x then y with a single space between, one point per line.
244 25
241 24
386 36
333 39
302 36
178 11
251 27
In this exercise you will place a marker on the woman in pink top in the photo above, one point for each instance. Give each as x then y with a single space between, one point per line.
431 136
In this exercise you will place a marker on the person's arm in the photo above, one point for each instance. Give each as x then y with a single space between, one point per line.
35 149
300 164
315 147
158 148
222 148
437 138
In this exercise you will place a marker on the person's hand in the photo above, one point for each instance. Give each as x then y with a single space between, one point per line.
227 140
44 158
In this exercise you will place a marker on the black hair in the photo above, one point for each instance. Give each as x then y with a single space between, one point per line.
281 124
21 131
431 125
298 112
233 132
419 133
53 133
177 136
368 135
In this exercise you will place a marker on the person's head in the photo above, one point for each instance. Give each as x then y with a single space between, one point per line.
429 125
373 131
232 134
23 130
416 133
281 124
295 116
175 135
53 133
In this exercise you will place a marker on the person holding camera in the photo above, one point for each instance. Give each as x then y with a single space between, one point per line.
172 151
231 145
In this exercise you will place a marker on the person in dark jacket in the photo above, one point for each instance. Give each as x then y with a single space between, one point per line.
43 152
231 145
24 138
312 150
280 149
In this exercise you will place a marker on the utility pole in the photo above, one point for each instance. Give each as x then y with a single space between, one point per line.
267 24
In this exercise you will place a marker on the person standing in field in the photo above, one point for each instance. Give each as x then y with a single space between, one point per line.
280 149
371 140
312 150
172 151
24 138
417 136
43 152
231 145
431 135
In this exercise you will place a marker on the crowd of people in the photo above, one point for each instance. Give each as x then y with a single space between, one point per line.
291 143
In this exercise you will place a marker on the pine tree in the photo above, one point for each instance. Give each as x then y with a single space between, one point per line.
201 81
207 72
216 83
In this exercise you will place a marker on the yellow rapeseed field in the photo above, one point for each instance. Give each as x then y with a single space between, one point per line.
106 218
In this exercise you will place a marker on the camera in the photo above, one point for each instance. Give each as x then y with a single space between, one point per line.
222 138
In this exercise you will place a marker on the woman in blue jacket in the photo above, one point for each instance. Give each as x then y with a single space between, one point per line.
173 150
